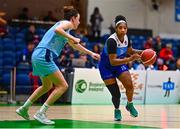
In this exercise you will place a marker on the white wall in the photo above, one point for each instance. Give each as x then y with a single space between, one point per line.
139 14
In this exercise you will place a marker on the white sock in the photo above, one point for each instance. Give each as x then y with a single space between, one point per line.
44 108
27 104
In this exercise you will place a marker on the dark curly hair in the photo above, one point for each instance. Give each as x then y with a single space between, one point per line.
69 12
120 17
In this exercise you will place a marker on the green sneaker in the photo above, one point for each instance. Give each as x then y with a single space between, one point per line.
117 115
131 109
23 112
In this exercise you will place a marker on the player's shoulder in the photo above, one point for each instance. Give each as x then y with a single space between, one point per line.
65 23
112 36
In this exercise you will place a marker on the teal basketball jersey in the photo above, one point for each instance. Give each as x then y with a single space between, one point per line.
53 41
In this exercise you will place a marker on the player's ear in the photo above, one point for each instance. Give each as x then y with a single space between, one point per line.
73 18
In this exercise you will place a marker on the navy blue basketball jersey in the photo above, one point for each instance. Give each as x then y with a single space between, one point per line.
114 45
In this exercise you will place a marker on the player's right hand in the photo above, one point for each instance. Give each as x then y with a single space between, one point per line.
135 57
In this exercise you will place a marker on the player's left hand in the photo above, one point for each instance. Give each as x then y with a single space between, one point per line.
95 56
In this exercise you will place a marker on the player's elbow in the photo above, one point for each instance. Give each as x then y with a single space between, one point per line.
56 30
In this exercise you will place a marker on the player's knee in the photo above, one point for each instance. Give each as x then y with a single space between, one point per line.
63 86
129 87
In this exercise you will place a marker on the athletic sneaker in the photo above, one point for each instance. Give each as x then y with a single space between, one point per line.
117 115
41 117
23 112
131 109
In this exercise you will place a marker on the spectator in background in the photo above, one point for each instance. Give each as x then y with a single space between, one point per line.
27 53
111 29
50 17
149 43
31 34
81 33
85 58
175 65
166 53
158 45
68 62
3 23
24 15
63 61
159 64
34 81
96 20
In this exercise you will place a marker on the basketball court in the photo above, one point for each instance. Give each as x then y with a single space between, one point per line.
95 116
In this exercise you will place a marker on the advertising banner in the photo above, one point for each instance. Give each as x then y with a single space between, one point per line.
88 87
162 87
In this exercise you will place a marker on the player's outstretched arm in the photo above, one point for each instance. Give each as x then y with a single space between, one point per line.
82 49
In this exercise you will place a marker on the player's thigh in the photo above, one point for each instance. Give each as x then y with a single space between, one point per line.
57 78
46 82
109 81
126 79
107 75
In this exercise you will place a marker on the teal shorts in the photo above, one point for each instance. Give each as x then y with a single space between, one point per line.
42 62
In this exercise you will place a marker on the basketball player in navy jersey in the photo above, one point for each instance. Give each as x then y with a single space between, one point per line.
113 64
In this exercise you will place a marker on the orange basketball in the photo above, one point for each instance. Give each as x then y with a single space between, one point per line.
148 57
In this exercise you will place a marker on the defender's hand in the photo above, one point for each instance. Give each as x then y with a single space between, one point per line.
95 56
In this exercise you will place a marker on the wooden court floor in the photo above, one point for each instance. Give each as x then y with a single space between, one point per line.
94 116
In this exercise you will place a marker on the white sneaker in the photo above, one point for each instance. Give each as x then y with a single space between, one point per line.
23 112
41 117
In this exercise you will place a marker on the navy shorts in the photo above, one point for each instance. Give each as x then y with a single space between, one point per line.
108 72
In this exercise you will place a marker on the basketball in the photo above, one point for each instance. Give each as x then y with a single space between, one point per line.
148 57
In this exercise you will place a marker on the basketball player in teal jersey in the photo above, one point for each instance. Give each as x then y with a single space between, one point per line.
43 65
113 64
